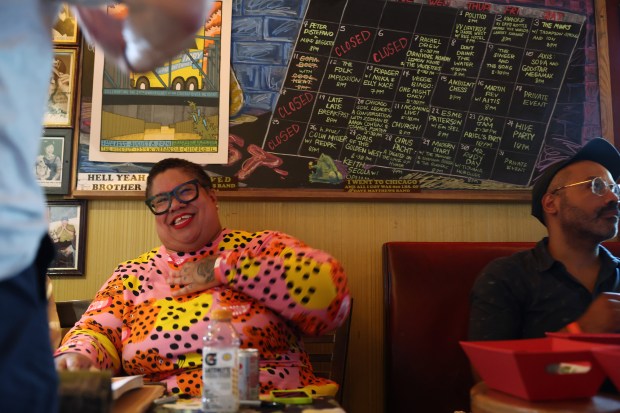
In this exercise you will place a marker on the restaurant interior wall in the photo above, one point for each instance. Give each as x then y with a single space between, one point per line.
352 231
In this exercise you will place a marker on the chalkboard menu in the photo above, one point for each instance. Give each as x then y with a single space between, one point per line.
456 88
363 97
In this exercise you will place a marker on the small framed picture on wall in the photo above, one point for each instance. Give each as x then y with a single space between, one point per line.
53 164
59 110
67 228
65 29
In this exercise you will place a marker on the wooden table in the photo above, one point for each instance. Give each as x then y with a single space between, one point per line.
320 404
91 391
485 400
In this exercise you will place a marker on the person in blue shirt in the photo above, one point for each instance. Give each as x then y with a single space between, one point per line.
151 32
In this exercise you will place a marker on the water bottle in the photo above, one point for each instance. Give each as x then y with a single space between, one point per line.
220 393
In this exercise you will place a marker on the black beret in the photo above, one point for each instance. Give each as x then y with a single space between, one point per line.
597 150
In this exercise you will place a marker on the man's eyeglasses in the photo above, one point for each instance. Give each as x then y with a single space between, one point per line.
598 186
186 192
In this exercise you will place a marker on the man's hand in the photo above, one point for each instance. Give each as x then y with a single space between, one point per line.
73 362
195 276
603 315
151 32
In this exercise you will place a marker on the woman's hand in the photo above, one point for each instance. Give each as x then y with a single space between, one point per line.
194 276
73 362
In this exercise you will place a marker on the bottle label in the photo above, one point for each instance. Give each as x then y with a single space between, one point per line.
219 378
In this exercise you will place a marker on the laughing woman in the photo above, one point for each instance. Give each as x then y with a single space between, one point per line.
150 316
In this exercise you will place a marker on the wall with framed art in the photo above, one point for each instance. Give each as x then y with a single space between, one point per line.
53 167
60 111
55 159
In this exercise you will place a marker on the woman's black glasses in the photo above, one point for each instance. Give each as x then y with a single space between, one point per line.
185 193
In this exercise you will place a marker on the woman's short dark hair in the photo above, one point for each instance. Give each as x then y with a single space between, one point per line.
176 163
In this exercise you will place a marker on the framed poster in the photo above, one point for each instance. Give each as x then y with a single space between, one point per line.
67 228
60 99
53 163
65 29
178 109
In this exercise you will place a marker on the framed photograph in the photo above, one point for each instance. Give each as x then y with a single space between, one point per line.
59 111
65 29
53 165
67 228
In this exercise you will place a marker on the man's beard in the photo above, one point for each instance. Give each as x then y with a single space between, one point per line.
595 226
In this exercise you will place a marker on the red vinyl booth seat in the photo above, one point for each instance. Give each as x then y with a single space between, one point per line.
426 299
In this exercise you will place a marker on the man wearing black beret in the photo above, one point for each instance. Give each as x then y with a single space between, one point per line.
568 282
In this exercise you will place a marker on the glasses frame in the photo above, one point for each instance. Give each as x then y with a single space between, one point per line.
197 184
613 187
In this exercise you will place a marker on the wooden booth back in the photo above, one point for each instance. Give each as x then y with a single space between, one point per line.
426 298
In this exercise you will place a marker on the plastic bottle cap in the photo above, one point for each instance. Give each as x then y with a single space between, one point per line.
221 314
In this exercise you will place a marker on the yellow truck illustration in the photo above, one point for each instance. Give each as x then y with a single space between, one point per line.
187 71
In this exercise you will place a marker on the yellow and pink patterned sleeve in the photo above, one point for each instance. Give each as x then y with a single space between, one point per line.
97 334
302 284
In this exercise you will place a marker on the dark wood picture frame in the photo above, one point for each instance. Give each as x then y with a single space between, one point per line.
608 40
67 228
53 164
